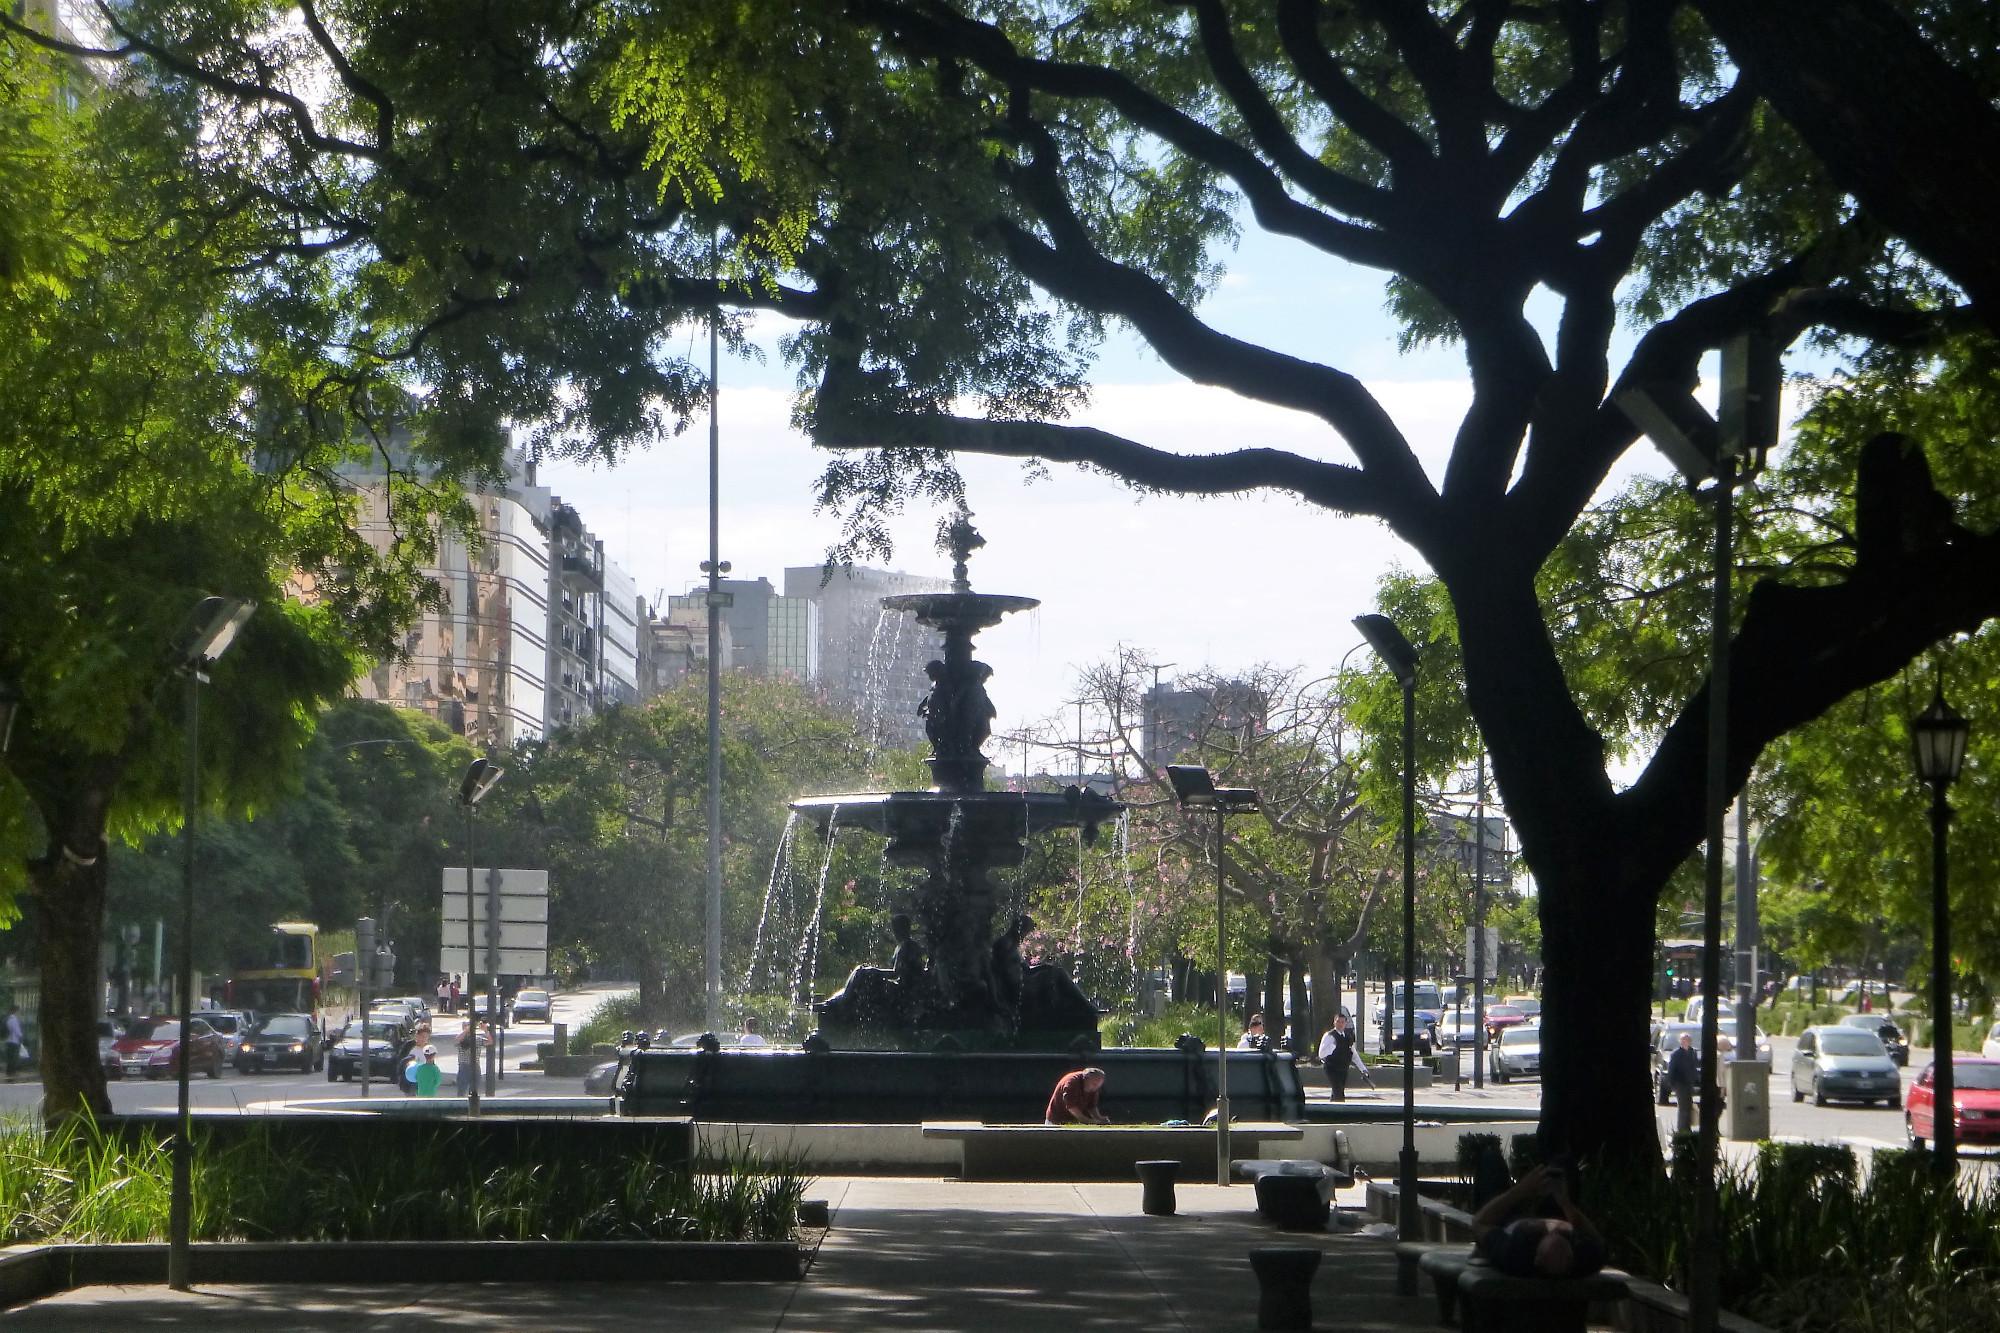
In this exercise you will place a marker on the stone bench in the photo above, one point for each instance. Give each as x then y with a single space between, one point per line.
1441 1262
1492 1302
1095 1152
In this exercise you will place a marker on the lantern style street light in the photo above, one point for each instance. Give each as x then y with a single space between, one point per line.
1195 789
1938 736
1396 653
204 638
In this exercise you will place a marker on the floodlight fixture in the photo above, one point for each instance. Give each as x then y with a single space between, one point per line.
211 627
1938 735
1390 645
1678 426
1195 789
480 776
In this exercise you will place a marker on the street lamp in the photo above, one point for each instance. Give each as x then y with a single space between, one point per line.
1939 736
1723 452
1401 659
1195 789
204 638
480 775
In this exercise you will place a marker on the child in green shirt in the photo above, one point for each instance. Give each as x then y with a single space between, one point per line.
428 1073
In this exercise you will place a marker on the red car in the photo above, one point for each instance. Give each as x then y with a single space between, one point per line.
1501 1016
1976 1089
151 1047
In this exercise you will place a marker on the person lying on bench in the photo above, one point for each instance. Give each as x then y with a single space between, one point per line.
1566 1246
1074 1102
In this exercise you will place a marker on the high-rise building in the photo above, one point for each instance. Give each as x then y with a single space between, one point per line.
534 628
793 646
1175 722
871 659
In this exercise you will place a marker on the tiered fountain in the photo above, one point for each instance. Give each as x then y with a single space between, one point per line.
958 1025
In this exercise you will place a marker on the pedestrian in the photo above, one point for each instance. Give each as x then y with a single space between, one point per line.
17 1041
750 1036
456 991
428 1073
1683 1078
1074 1102
1336 1054
444 995
1253 1039
467 1057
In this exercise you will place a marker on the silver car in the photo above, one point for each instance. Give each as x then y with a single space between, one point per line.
1845 1064
1515 1053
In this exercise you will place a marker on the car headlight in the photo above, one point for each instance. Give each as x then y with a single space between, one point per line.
245 1048
297 1047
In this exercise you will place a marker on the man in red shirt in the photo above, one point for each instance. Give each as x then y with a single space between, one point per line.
1074 1102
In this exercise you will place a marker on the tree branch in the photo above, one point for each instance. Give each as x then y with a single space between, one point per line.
1407 151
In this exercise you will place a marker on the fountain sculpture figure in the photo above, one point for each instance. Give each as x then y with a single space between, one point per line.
954 983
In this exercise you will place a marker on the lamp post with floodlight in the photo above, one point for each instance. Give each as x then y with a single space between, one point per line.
1195 789
1401 659
480 775
1725 453
206 636
1938 735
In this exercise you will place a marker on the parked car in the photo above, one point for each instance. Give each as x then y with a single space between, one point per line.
1884 1027
1976 1093
1517 1053
108 1033
1502 1016
1848 1064
602 1081
151 1047
282 1041
531 1006
385 1043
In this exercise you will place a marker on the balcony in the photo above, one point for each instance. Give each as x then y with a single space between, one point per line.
581 569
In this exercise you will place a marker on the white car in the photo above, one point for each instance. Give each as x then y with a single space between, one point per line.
1991 1050
1517 1054
1455 1030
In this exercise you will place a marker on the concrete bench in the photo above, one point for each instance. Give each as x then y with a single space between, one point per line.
1095 1152
1492 1302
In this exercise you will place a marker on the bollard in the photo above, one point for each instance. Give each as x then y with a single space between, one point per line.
1284 1281
813 1213
561 1043
1157 1197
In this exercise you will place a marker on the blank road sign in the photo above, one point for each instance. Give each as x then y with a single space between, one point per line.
513 962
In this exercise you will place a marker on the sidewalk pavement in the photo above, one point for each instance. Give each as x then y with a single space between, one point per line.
937 1256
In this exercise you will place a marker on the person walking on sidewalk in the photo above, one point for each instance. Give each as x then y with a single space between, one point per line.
1683 1078
17 1041
1336 1055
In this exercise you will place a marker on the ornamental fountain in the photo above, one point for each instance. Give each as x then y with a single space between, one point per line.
958 1024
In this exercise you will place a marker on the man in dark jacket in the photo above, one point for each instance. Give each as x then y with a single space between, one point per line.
1683 1079
1336 1055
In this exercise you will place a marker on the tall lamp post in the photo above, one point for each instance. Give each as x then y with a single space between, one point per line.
1939 736
1195 789
206 636
1401 659
1724 453
480 775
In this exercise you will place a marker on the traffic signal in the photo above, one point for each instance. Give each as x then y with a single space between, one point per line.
384 977
342 971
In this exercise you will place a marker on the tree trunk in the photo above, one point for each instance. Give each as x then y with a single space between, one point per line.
1303 1032
1274 993
1596 903
69 895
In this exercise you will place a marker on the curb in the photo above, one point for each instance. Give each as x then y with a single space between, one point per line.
30 1272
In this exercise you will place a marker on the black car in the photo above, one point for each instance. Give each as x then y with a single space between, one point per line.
282 1041
385 1045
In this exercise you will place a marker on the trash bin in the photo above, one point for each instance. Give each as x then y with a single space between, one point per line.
1748 1086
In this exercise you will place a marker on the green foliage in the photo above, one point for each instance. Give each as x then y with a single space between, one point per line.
1807 1246
1161 1030
618 1013
81 1184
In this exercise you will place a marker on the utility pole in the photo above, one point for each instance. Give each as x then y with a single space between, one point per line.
715 568
1478 968
1749 930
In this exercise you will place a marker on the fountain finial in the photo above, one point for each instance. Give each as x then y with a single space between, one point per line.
961 539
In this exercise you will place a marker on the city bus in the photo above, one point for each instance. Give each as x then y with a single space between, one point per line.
285 979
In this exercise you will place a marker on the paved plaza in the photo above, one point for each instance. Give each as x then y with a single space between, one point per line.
902 1254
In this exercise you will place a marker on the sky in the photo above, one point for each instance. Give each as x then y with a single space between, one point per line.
1217 583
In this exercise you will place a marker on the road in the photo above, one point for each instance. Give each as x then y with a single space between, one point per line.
243 1092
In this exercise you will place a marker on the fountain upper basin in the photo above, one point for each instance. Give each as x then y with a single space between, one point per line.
974 610
903 814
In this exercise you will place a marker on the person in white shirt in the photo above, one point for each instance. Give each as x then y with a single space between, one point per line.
751 1037
17 1041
